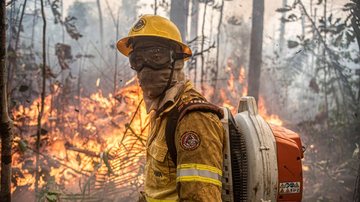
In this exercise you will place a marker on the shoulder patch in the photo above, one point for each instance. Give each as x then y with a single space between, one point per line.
139 25
190 141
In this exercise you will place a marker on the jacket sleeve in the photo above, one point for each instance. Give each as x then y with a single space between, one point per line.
199 141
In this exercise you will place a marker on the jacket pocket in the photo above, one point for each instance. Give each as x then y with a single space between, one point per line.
159 172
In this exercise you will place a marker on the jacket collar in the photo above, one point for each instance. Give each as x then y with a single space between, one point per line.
171 98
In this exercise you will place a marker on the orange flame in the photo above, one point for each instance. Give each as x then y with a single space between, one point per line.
78 137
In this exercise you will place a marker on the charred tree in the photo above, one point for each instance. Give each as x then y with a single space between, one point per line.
101 26
194 19
178 14
282 28
6 123
355 20
216 72
193 35
355 23
326 71
116 54
43 69
256 48
155 7
11 49
202 75
357 185
34 24
20 25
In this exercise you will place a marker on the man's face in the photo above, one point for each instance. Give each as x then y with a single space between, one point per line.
150 53
151 59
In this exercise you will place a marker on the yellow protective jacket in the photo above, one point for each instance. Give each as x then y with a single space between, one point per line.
199 140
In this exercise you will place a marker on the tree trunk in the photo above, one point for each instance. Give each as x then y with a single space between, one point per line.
33 25
178 14
282 29
116 55
11 49
6 123
194 19
355 21
202 49
101 27
155 7
20 23
43 69
357 185
218 45
194 34
256 48
325 66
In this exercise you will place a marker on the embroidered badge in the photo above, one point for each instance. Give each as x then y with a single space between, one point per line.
139 25
190 141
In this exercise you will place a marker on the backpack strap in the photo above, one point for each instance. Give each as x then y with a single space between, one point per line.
178 112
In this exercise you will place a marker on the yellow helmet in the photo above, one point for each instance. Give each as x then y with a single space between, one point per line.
153 25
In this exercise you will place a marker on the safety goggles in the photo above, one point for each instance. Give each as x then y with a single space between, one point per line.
155 58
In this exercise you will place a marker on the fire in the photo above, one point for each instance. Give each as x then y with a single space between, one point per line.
270 118
80 140
231 94
103 135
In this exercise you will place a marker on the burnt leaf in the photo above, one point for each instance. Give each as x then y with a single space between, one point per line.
23 88
22 145
330 18
234 20
338 40
349 6
292 44
292 18
43 131
314 86
340 27
284 9
78 159
349 37
71 29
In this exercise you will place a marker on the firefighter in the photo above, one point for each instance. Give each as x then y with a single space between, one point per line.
157 54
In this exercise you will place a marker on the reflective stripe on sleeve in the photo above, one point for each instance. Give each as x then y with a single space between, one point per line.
148 199
199 172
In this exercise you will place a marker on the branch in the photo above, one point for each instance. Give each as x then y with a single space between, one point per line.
132 119
71 147
205 50
58 161
334 63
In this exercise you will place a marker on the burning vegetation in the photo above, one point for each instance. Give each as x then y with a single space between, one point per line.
95 149
88 143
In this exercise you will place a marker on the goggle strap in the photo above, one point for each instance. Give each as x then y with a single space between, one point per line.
178 56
